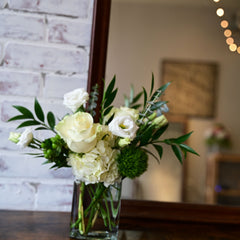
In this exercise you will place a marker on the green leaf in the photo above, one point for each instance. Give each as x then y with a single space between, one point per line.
137 97
152 85
19 117
160 91
27 113
108 110
110 87
177 153
28 123
110 98
131 94
145 97
188 149
126 101
181 139
136 106
152 154
159 132
51 120
159 150
146 136
38 110
41 128
110 119
157 105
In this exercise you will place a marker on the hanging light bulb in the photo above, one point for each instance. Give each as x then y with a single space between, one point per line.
227 33
229 40
224 24
233 47
220 12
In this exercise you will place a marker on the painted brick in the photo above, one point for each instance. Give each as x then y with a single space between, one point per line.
77 8
57 85
19 26
69 31
54 197
19 83
1 51
24 166
16 194
38 57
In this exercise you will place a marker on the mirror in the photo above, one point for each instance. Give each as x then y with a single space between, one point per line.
142 35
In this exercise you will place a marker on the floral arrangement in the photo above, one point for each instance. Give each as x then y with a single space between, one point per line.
105 152
218 135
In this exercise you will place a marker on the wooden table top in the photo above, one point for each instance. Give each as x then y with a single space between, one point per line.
143 225
27 225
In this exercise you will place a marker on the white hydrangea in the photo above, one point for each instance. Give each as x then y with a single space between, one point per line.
98 165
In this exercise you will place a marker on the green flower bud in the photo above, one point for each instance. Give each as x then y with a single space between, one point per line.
124 142
160 121
14 137
152 116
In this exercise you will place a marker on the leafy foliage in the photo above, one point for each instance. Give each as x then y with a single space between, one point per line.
31 120
148 133
109 95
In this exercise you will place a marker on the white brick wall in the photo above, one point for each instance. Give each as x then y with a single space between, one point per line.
44 52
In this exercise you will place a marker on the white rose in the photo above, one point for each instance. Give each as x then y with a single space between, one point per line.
26 138
75 99
123 126
78 131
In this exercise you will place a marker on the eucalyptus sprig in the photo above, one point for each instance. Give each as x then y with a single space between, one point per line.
38 120
92 104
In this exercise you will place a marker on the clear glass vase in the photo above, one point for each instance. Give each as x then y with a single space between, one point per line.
95 211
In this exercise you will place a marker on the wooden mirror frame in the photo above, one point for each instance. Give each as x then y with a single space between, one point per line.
134 211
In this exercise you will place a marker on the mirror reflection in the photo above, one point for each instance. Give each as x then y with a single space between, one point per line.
146 34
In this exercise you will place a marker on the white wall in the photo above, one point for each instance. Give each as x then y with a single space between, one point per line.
44 52
143 35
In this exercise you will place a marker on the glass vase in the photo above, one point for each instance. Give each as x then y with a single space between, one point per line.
95 211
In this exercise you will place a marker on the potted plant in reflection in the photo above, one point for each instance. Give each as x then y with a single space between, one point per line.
101 154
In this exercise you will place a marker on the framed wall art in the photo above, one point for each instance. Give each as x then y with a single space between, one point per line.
193 87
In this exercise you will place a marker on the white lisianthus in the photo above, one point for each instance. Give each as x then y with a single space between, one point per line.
14 137
123 111
123 126
98 165
78 131
75 99
26 138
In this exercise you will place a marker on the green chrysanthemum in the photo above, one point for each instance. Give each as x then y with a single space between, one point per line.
132 162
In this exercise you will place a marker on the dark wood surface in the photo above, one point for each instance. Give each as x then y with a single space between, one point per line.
140 220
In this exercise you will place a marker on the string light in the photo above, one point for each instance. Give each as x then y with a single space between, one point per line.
224 24
220 12
233 47
227 33
230 41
